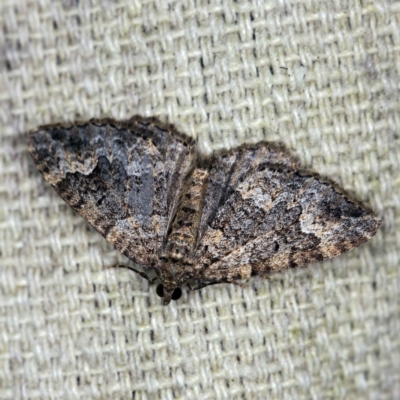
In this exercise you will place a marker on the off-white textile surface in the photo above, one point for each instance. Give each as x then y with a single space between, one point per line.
321 76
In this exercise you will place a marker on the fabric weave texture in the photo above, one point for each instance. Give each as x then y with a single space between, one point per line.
322 77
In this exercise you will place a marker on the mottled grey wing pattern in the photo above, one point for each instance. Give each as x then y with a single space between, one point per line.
122 177
245 212
262 214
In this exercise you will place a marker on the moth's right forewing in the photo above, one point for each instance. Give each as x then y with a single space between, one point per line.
122 177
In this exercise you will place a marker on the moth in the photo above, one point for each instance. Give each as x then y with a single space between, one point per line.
209 219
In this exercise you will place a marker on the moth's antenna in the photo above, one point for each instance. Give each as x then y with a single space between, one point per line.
142 274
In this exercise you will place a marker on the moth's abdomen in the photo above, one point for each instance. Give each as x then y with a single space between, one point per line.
182 234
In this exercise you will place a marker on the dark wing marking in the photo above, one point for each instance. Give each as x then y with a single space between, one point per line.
122 177
268 216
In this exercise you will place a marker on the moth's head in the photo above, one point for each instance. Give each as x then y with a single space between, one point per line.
168 292
172 276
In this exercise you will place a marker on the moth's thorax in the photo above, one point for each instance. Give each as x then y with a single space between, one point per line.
182 234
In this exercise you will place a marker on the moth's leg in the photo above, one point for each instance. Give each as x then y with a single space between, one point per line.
142 274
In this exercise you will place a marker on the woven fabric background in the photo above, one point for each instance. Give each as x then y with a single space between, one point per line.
321 76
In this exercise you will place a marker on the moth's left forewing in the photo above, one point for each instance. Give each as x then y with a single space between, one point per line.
277 217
